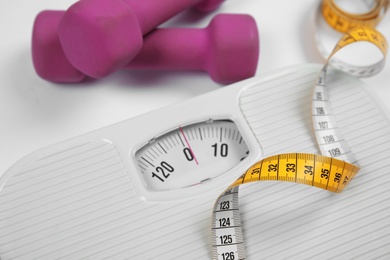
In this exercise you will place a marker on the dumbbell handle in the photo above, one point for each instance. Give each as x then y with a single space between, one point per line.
151 13
227 49
164 49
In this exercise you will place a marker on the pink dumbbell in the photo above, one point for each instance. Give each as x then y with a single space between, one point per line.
101 36
49 60
228 49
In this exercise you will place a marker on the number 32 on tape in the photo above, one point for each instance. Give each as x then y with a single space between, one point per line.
309 169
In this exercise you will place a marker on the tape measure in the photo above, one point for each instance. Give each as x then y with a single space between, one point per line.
332 172
331 21
314 170
343 21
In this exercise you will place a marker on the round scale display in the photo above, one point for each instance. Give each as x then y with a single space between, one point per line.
191 155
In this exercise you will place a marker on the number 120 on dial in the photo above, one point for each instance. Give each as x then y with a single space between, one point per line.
191 155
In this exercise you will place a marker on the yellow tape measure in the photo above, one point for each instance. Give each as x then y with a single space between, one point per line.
332 172
314 170
343 21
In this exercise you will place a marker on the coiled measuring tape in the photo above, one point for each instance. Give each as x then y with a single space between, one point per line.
343 21
332 170
340 21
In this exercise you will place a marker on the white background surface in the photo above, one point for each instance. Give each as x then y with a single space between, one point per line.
35 113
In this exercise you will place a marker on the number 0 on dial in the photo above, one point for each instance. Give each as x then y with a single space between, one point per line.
191 155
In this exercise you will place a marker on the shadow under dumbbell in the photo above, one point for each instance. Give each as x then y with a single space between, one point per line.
157 78
181 84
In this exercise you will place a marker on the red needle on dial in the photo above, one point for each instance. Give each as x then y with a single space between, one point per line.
188 144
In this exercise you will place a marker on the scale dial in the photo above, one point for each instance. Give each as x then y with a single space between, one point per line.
191 155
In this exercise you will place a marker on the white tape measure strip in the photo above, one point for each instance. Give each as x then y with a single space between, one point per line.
329 137
228 241
330 15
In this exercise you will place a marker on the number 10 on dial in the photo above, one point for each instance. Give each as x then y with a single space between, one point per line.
191 155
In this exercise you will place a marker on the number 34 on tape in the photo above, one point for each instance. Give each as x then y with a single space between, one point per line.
309 169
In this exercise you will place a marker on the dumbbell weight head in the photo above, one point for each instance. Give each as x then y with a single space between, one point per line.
101 36
234 48
228 49
49 60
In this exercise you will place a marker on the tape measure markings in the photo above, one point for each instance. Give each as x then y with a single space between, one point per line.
333 143
309 169
331 173
343 21
330 9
